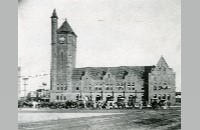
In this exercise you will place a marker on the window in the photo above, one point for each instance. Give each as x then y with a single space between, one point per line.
133 88
160 87
57 88
61 88
142 96
70 39
142 88
100 88
96 88
107 88
66 88
64 97
155 88
159 96
60 97
155 96
77 97
111 88
133 84
168 96
77 88
57 97
164 96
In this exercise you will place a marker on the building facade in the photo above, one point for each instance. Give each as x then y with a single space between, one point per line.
103 83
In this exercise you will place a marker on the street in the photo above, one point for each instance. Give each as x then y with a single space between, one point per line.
100 120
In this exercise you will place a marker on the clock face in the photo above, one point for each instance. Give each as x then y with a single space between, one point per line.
61 39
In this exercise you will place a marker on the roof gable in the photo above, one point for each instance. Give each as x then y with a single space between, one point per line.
162 64
65 28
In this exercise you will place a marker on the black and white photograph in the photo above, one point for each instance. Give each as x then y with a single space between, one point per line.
99 64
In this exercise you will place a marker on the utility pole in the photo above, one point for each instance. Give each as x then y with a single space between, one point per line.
25 79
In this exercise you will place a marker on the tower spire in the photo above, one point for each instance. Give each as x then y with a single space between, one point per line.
54 14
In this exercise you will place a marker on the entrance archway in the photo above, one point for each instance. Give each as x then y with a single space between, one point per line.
120 98
98 97
109 98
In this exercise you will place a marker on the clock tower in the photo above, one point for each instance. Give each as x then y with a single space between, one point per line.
63 55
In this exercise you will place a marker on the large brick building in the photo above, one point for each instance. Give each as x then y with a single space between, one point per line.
107 83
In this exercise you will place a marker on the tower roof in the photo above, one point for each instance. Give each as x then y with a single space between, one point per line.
162 62
65 27
54 14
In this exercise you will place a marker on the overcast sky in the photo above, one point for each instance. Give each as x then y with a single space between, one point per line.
110 33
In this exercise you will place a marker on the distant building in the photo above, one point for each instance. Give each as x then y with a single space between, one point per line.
43 94
107 83
19 82
32 95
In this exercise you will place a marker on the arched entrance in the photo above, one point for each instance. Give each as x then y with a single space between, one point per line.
131 100
109 98
120 98
98 97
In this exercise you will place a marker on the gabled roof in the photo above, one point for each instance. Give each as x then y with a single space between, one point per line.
65 28
97 73
162 62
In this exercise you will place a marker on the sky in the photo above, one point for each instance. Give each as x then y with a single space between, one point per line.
110 33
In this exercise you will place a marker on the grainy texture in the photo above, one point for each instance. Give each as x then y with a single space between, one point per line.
124 120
